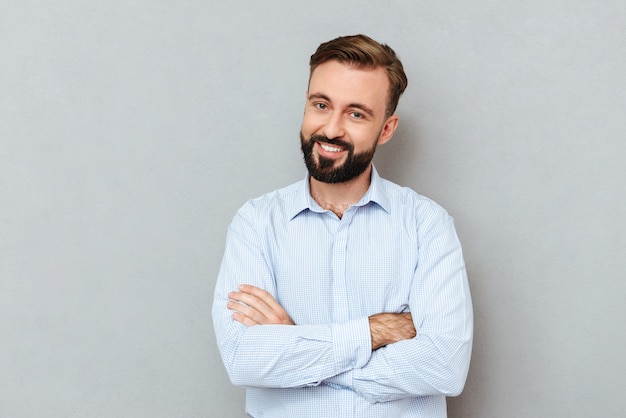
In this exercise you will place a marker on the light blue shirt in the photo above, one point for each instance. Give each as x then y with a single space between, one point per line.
393 251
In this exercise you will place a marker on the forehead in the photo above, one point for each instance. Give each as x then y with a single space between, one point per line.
345 83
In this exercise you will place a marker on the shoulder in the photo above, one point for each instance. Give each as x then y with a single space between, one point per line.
275 203
404 199
415 212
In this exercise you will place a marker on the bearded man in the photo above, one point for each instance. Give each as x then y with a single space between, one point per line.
345 295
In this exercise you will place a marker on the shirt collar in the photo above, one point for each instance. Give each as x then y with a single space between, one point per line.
375 193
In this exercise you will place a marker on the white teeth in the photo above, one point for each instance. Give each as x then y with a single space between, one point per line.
330 149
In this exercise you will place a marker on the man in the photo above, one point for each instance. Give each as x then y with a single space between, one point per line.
345 295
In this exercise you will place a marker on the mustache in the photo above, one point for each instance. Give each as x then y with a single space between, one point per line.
333 141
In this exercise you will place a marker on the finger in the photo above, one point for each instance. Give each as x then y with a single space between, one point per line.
245 311
261 300
243 319
262 295
259 311
267 309
251 301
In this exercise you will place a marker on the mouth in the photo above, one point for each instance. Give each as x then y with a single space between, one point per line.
330 148
329 151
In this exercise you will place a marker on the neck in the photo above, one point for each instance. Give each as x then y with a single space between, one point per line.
338 197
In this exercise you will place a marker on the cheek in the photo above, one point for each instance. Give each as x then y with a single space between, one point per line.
364 139
305 127
311 123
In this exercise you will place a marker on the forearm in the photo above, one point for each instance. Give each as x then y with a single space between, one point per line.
290 356
418 367
423 366
388 328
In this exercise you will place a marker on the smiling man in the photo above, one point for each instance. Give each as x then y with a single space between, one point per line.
344 120
345 295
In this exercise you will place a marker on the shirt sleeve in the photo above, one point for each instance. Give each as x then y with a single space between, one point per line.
277 356
436 361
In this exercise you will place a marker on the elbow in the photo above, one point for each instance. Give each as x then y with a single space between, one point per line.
246 375
240 377
449 381
455 375
237 378
455 385
239 374
448 372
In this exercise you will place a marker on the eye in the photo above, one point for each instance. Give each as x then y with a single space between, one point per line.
320 106
357 115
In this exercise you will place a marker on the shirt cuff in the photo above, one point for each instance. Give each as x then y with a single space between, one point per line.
353 344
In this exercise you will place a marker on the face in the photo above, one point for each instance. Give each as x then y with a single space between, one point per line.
344 121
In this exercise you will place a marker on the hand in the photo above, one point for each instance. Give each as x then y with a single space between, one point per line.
388 328
255 306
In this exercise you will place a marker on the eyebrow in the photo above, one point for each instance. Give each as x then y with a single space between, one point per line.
360 106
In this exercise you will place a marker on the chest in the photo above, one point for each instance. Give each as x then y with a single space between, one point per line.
330 270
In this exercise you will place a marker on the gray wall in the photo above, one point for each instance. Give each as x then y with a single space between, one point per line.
130 132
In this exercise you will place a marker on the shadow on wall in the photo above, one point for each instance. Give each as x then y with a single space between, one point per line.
402 151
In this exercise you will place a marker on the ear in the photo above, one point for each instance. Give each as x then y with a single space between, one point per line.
389 128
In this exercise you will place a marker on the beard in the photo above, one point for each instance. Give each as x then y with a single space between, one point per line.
323 169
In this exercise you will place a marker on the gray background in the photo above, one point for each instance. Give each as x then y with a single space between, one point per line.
131 131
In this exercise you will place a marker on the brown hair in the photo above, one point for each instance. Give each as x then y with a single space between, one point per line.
363 51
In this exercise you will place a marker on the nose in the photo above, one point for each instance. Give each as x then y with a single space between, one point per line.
333 127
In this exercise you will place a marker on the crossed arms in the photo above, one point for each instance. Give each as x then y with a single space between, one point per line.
254 306
382 357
